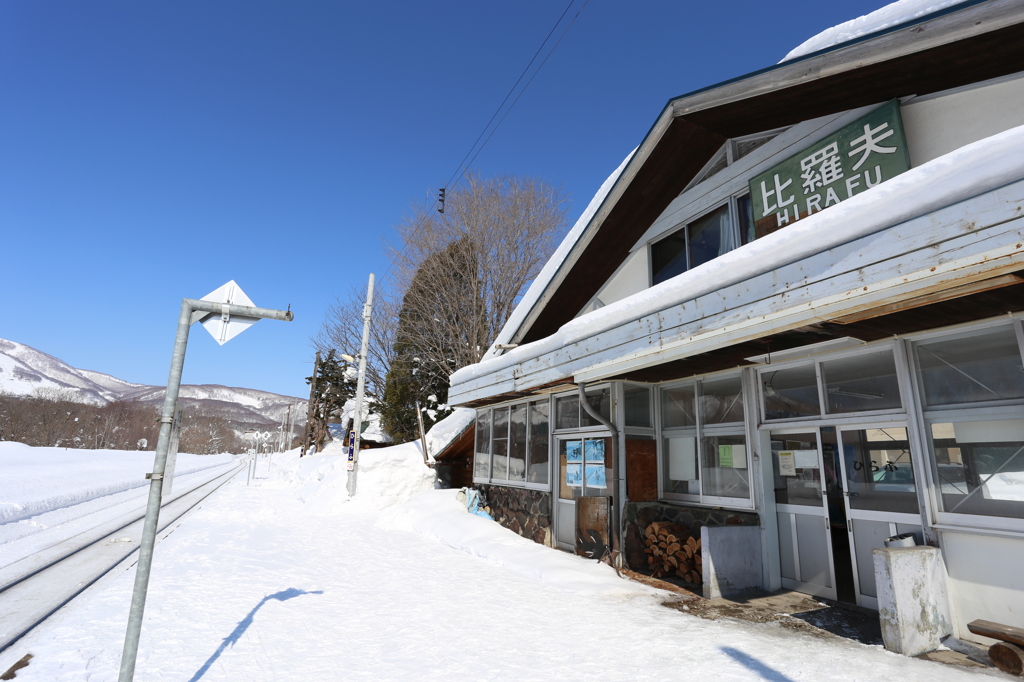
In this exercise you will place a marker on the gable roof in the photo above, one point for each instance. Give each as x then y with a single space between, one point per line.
972 41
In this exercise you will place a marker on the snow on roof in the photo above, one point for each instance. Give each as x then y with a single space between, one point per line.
540 284
444 432
974 169
894 14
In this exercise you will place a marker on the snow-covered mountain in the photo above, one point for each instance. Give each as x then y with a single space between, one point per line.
24 370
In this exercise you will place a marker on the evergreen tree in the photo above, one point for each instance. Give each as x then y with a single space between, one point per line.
335 385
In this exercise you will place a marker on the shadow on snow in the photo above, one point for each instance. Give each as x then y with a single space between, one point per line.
244 624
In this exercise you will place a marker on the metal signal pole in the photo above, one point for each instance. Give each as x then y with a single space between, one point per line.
192 310
353 462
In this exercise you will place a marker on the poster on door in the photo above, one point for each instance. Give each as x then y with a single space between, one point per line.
595 471
574 463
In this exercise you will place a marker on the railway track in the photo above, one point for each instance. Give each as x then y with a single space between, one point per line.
34 588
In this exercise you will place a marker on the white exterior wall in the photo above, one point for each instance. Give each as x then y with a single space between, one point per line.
631 278
985 579
937 124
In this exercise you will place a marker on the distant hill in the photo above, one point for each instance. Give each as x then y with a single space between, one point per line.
24 370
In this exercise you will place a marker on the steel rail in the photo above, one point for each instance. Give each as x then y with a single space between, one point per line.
93 575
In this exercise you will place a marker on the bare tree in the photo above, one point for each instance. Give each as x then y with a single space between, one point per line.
342 331
457 276
464 271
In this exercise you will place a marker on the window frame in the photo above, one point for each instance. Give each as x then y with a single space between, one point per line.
507 406
816 361
962 412
701 431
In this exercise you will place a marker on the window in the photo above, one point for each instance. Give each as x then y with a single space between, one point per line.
569 414
512 444
971 369
973 386
980 466
697 243
865 382
637 403
704 455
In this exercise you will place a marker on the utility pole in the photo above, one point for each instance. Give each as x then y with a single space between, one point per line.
360 388
286 430
311 406
423 434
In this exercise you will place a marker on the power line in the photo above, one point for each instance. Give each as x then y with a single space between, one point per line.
511 90
463 167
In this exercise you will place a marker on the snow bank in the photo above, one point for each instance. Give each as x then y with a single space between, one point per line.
39 480
891 15
550 269
386 477
448 429
438 514
974 169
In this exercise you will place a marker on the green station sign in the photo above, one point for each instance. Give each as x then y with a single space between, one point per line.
855 158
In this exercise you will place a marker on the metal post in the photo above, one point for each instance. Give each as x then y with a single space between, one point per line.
192 310
423 434
131 640
360 387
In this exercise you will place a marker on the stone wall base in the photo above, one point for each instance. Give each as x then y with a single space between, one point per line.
522 511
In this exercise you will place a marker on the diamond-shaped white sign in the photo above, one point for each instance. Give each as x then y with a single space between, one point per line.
224 327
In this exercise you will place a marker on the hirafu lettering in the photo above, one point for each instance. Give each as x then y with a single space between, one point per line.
816 202
853 159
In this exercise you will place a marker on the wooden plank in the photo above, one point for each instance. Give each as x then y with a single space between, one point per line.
1004 633
1007 657
641 470
928 299
969 241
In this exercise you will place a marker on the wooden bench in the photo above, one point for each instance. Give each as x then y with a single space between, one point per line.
1008 653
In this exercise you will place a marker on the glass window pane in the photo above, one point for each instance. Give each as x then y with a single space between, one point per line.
638 405
601 401
710 237
500 417
980 466
745 208
721 401
567 412
517 444
499 444
539 447
681 475
668 257
597 460
790 393
879 473
482 458
971 369
677 407
797 469
862 382
724 467
570 469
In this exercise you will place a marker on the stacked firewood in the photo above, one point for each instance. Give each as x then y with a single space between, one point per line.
672 549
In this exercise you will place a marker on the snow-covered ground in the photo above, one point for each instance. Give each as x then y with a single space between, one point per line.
48 495
288 579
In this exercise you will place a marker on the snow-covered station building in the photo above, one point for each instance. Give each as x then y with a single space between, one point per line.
796 314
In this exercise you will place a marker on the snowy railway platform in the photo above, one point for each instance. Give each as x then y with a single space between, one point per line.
288 579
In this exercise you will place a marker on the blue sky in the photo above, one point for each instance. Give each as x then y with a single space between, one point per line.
151 151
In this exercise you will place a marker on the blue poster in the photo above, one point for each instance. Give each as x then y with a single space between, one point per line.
595 451
574 475
596 476
574 451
